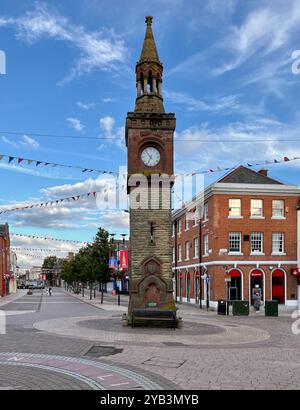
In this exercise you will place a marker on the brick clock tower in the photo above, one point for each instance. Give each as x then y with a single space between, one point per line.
149 140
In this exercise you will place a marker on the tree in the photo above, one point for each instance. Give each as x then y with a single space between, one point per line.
49 265
90 264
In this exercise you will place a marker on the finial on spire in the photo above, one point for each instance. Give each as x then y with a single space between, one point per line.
149 20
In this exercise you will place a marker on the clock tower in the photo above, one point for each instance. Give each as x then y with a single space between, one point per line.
149 140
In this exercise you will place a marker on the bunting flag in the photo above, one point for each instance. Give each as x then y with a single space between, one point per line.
14 248
47 238
27 161
22 161
32 256
248 164
53 202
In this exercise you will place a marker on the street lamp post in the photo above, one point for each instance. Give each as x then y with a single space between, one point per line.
123 245
200 261
112 240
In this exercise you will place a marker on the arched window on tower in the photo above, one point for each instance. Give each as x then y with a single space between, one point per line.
149 83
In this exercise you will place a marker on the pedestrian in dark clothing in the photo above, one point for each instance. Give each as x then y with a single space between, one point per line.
257 302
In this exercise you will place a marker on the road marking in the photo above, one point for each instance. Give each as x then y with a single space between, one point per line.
15 359
103 377
119 384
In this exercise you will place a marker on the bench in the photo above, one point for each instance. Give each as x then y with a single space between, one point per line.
154 317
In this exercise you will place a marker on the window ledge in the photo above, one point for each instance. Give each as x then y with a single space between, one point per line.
187 259
205 256
195 257
257 217
279 218
236 253
235 217
257 254
205 220
278 254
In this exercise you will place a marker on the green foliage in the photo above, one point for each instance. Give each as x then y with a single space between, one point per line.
50 263
90 263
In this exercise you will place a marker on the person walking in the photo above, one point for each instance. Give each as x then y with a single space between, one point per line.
257 302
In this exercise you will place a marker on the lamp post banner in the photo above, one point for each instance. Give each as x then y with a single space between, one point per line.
113 263
124 259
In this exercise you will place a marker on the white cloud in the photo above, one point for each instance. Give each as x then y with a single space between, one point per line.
108 99
107 124
264 31
75 123
115 221
89 185
30 142
97 50
205 147
116 137
26 141
85 106
227 104
9 142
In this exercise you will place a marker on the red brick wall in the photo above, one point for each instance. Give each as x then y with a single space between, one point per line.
4 263
218 227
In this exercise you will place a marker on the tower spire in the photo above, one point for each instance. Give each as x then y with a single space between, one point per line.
149 71
149 51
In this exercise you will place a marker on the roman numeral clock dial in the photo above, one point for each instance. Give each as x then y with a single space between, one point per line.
150 156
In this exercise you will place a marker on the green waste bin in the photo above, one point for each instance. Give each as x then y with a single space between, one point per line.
240 308
271 308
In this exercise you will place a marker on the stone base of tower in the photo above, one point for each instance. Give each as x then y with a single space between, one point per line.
151 303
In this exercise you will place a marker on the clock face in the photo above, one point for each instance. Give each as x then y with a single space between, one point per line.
150 156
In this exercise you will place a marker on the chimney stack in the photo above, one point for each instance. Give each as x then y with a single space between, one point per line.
263 172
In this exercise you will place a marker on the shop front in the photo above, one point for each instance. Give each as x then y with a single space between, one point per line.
234 285
278 286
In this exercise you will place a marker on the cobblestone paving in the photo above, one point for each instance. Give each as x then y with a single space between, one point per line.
30 359
209 352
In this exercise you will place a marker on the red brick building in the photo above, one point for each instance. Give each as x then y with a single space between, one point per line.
246 240
4 260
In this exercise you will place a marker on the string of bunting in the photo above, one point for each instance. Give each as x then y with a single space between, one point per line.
32 256
248 164
26 161
50 203
47 238
21 161
38 249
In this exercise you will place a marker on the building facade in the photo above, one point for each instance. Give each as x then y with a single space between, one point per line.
4 260
14 272
244 241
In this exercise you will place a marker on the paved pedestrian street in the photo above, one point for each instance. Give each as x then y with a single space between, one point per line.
62 342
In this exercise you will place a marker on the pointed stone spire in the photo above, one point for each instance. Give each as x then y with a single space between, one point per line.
149 51
149 71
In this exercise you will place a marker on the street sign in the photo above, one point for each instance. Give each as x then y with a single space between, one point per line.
296 271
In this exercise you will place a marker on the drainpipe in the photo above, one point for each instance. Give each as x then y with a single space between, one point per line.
176 256
200 261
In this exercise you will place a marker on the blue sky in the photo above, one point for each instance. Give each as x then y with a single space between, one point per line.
71 71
